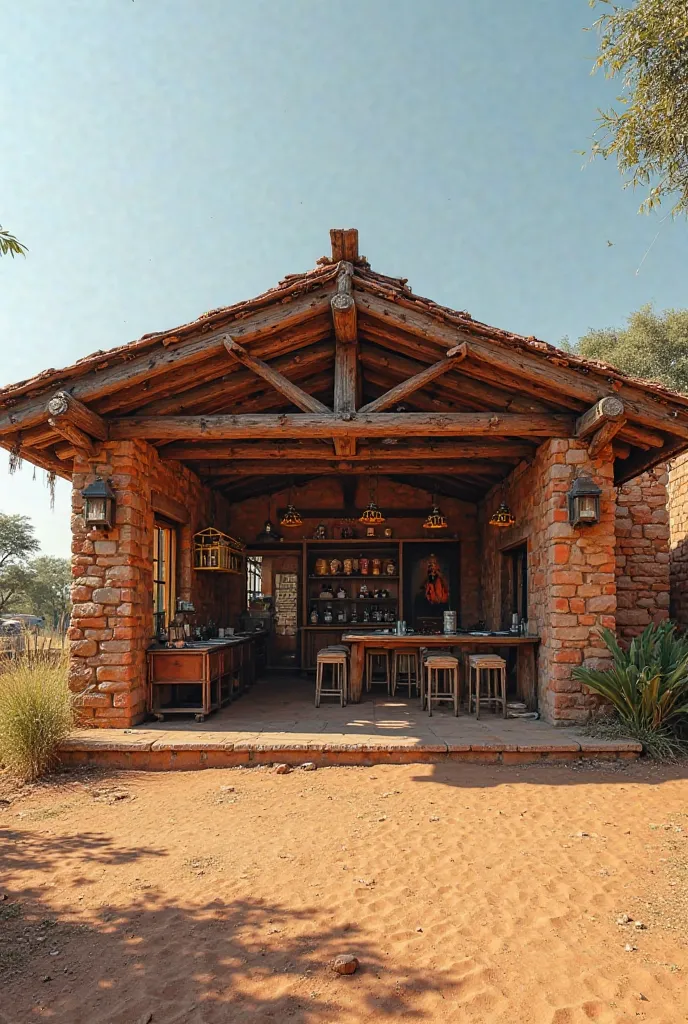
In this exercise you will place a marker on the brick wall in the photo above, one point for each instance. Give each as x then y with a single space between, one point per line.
572 582
642 552
678 531
111 622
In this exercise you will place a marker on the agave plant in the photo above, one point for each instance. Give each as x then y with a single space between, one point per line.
648 681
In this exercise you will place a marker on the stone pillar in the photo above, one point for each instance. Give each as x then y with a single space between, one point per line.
642 552
112 591
573 583
678 529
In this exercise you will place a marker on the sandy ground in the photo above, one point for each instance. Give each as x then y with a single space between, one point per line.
469 893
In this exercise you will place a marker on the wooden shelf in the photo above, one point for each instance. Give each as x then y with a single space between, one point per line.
355 576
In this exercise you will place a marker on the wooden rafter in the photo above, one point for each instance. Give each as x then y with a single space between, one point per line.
296 395
419 380
96 383
525 366
345 466
64 408
320 425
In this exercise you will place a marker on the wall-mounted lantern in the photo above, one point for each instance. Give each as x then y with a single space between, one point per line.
584 502
99 505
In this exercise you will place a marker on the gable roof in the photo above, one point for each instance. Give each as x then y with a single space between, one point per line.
188 371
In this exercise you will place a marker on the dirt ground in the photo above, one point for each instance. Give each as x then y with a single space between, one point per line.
469 893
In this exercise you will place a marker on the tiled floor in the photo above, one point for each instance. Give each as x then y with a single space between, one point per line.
278 714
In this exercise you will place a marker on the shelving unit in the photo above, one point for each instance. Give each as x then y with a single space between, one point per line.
215 551
354 610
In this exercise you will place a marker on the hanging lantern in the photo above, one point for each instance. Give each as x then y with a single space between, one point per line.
584 502
99 505
371 516
269 532
503 516
435 520
291 517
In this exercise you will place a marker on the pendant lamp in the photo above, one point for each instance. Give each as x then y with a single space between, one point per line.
435 519
371 515
291 516
503 516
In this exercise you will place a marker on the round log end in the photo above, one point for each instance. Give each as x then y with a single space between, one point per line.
58 404
342 303
612 407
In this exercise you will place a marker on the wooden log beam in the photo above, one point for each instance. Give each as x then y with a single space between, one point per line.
641 407
42 459
604 436
77 440
453 467
344 307
347 384
397 394
344 242
296 395
96 383
64 409
609 409
223 451
317 425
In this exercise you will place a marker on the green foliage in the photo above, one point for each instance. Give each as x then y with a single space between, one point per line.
646 47
37 713
652 345
648 682
17 542
47 588
9 245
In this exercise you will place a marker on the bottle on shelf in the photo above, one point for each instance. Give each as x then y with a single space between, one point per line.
328 616
314 617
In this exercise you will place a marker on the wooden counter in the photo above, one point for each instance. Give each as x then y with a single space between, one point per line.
202 677
526 671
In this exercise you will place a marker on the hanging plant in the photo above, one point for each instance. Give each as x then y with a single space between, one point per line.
15 458
50 481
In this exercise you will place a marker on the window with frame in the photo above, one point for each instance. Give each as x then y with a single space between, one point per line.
254 578
164 574
519 581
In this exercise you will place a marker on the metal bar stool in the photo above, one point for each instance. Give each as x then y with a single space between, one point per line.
382 654
494 679
339 683
405 664
442 679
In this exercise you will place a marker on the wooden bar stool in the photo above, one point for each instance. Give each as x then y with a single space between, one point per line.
338 685
493 693
382 654
405 664
442 679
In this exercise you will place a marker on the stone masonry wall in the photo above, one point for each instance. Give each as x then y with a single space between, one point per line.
678 530
571 571
111 623
642 552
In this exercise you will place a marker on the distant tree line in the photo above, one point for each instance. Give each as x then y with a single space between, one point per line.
29 582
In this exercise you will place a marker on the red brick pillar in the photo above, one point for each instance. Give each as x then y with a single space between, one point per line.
112 603
573 583
642 552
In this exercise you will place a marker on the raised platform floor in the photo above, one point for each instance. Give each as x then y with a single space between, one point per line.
276 721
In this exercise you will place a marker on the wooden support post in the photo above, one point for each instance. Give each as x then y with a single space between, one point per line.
292 391
63 409
346 379
344 242
419 380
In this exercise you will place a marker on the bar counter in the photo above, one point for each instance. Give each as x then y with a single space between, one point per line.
526 673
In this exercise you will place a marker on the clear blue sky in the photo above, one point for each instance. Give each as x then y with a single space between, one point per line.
164 157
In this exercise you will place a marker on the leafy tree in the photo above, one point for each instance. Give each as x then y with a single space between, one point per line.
646 46
9 245
17 542
47 588
652 345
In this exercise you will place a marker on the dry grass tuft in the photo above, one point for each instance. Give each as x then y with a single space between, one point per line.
37 712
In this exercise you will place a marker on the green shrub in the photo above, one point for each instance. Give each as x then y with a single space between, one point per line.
647 684
36 713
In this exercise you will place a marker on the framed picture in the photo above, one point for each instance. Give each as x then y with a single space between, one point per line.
431 583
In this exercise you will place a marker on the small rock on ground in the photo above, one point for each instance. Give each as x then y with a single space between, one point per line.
282 769
345 964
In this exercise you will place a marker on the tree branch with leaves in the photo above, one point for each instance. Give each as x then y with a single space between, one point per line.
9 245
646 47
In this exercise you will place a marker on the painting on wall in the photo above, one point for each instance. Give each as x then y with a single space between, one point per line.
431 583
